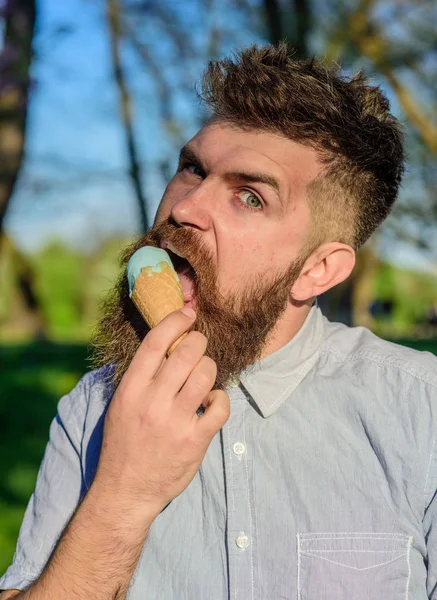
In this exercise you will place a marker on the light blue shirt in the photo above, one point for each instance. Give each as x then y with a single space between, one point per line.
321 485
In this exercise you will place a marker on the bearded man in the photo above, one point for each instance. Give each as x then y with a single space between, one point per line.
311 470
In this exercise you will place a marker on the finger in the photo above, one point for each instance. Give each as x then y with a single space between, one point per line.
197 386
153 349
178 367
215 416
176 344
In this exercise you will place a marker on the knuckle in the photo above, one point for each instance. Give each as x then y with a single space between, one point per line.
123 392
206 371
184 354
204 380
219 411
223 404
188 351
197 338
222 416
153 342
209 365
226 411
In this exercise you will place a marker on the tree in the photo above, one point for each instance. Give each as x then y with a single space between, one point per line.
18 18
115 29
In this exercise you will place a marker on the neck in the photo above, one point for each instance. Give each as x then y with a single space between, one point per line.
287 326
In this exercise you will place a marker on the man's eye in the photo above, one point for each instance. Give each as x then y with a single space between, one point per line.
192 168
250 200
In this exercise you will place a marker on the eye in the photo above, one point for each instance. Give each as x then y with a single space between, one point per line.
192 168
250 200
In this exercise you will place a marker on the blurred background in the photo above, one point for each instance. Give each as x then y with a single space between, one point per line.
96 98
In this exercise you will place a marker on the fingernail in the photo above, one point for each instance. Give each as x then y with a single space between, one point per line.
189 312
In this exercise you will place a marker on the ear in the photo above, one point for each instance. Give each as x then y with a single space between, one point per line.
328 266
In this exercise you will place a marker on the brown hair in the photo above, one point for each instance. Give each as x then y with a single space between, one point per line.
345 119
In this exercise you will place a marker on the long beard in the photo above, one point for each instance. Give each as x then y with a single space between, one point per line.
237 326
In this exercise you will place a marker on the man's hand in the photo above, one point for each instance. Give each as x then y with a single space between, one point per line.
153 444
153 440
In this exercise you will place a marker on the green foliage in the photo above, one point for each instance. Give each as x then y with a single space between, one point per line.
59 287
69 287
412 294
33 378
7 281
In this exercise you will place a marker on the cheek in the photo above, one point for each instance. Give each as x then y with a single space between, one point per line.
245 260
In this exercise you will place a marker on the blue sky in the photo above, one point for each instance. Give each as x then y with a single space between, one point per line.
75 141
74 186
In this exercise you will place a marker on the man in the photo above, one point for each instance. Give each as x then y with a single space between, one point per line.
312 471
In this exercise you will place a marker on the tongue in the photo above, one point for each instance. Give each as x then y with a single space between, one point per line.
186 277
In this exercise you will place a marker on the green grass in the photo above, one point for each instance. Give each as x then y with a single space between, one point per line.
33 377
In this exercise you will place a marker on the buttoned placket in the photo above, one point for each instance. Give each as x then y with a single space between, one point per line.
238 468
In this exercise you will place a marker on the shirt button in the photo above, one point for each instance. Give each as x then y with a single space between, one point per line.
242 540
239 448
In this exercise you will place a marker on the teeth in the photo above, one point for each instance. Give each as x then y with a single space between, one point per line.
173 249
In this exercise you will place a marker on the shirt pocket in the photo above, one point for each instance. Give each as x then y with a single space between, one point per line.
342 566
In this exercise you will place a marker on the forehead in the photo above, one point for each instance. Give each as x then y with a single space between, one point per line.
224 147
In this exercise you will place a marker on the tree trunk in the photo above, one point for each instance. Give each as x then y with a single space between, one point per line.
294 25
274 21
363 290
303 24
21 315
19 18
115 29
16 56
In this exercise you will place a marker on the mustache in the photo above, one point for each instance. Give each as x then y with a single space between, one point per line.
185 239
236 324
190 244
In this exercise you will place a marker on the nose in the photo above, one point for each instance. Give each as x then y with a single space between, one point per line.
194 208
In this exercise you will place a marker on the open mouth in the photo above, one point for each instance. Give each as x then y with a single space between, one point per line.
186 273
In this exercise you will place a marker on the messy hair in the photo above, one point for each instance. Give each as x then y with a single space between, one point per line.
345 119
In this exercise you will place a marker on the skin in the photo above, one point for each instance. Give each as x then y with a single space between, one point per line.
153 444
153 411
252 221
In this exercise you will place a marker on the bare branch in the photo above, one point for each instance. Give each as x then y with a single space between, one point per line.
423 124
114 22
374 46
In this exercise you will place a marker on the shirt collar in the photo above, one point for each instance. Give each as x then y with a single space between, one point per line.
272 379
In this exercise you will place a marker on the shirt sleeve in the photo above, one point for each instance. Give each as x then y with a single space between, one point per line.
57 492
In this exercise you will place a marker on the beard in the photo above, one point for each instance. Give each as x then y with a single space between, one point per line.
237 324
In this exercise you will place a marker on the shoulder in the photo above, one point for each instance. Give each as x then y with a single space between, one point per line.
86 403
94 386
392 391
360 349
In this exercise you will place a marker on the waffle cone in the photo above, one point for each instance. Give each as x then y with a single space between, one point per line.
156 295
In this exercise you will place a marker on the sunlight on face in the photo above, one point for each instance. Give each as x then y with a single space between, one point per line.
244 193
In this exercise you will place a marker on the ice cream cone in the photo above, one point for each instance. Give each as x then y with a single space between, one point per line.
157 294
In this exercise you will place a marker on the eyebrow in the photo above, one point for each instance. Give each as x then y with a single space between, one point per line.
255 178
188 154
